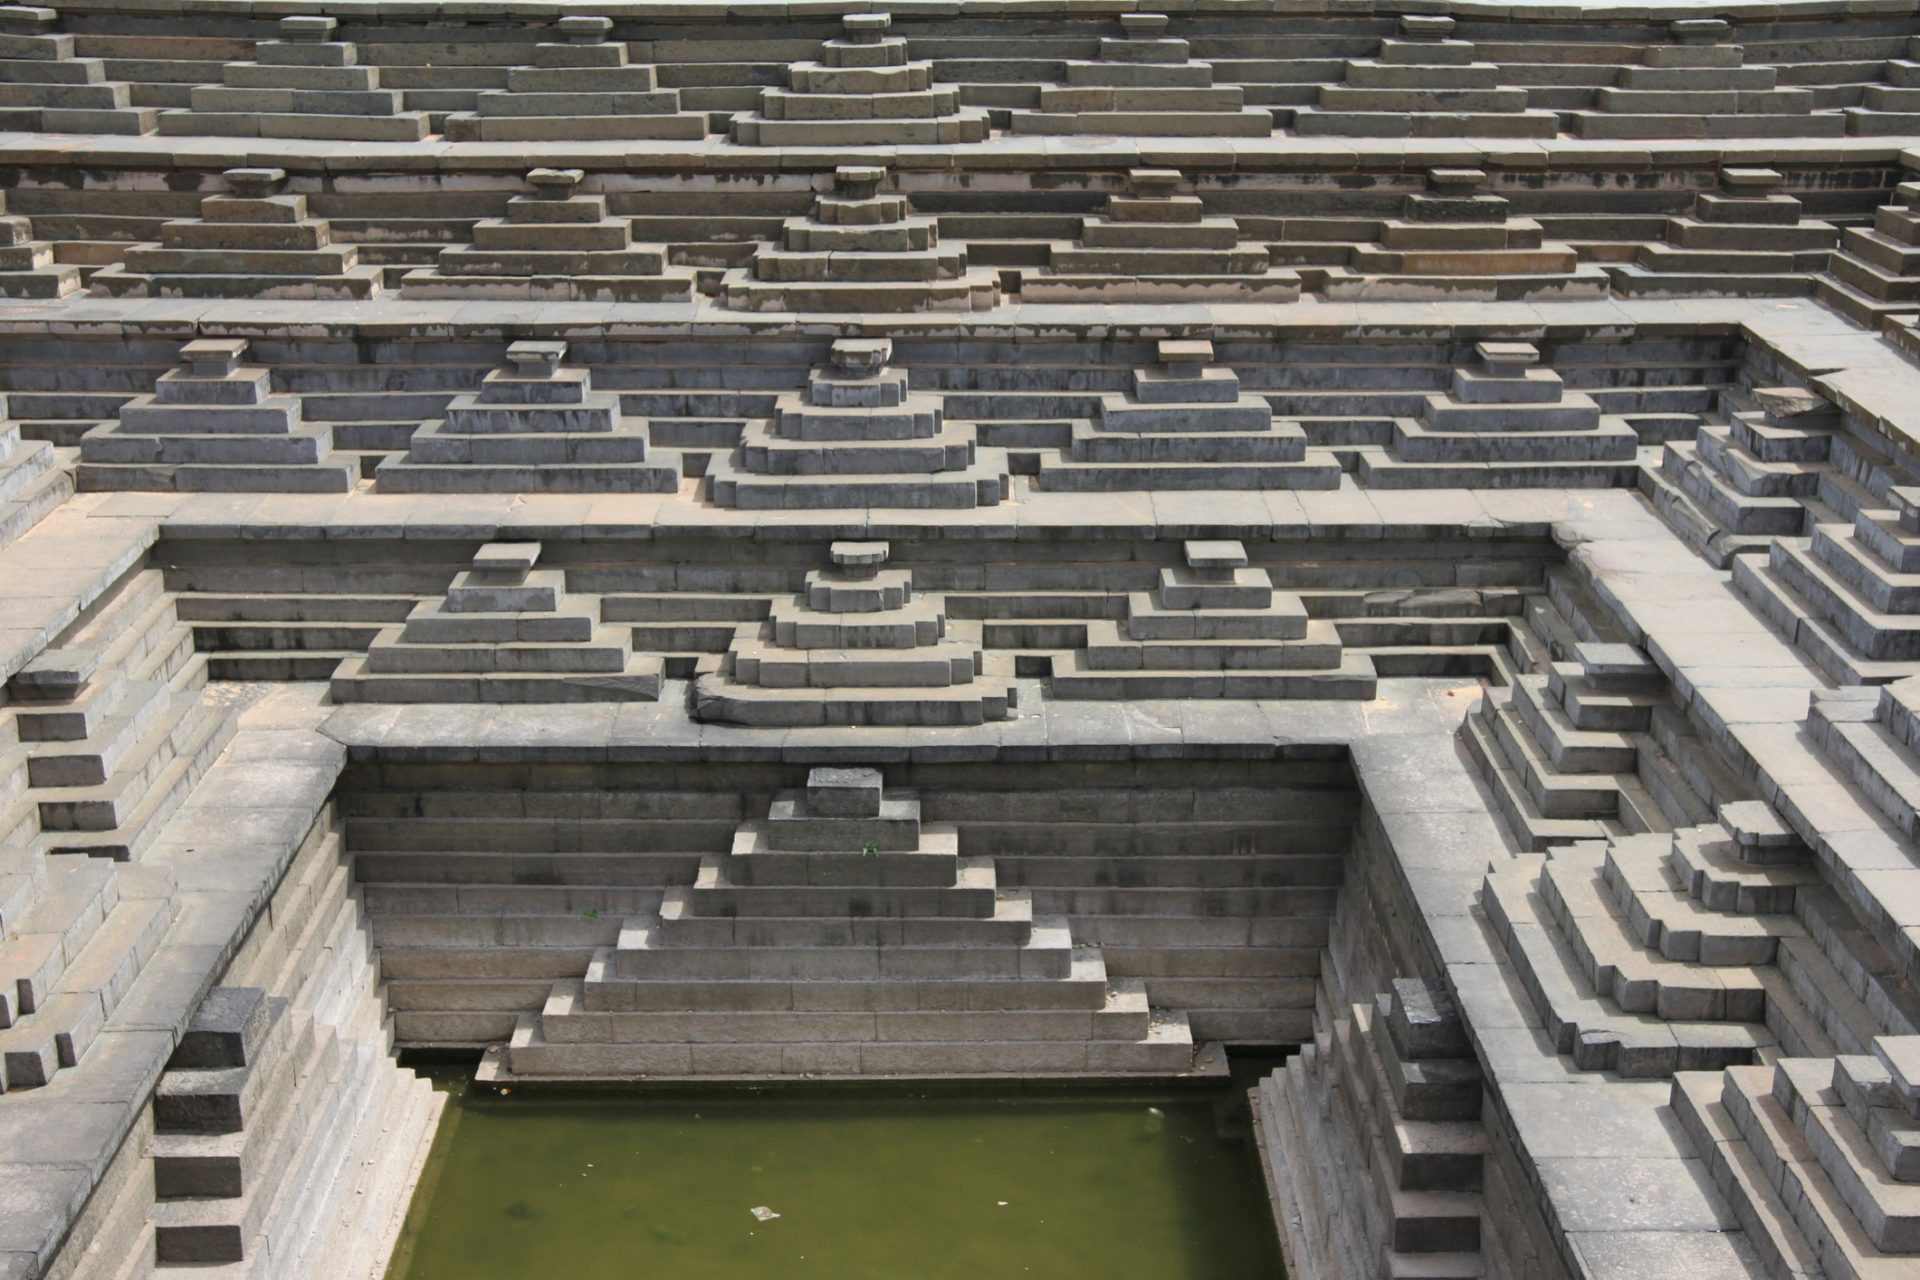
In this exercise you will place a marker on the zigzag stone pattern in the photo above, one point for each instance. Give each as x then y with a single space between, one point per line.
657 544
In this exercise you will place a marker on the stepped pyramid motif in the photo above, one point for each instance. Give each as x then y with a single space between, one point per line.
1701 87
1424 84
304 85
27 268
859 250
32 482
1745 240
44 88
504 632
1506 423
535 426
1144 84
1876 270
1154 245
1892 107
255 241
844 937
858 437
856 647
1459 242
557 243
580 87
1849 596
863 91
1186 424
1213 628
214 424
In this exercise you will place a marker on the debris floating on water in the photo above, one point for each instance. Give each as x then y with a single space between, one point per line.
761 1213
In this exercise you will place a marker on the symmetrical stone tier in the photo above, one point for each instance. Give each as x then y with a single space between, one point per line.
1506 423
858 437
1186 424
856 647
1850 595
859 250
1589 750
842 937
1876 270
559 244
1424 84
1458 242
1155 246
504 632
304 85
1145 84
44 88
1700 87
1214 627
1394 1083
27 268
214 424
255 241
863 91
580 87
1747 239
1892 107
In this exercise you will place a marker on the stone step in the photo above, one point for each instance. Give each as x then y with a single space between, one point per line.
642 952
1078 678
1665 918
120 815
722 700
1887 1211
1710 870
1868 631
1830 649
1533 829
1009 924
73 897
1879 764
1566 747
713 893
1106 649
1318 470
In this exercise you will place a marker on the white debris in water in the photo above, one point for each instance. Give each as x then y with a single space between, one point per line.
762 1214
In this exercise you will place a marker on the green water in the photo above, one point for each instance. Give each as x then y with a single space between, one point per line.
868 1187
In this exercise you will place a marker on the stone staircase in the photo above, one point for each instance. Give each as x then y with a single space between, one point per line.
1747 240
1871 734
1145 84
1213 628
1847 596
1186 424
1875 272
1892 106
1701 87
1153 245
857 646
255 241
1591 749
304 85
116 723
556 243
535 426
1506 423
581 87
841 937
859 250
1459 242
44 88
863 90
1396 1082
1819 1156
504 632
27 266
32 479
858 436
1423 84
214 425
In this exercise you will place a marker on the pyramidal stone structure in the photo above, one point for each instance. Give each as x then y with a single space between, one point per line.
1506 423
1155 245
858 436
1423 84
1459 241
579 87
535 426
304 85
1214 627
556 243
1892 107
857 646
27 268
1145 84
842 936
1876 270
1700 87
862 91
254 241
1187 424
45 88
1748 239
214 424
859 250
505 631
